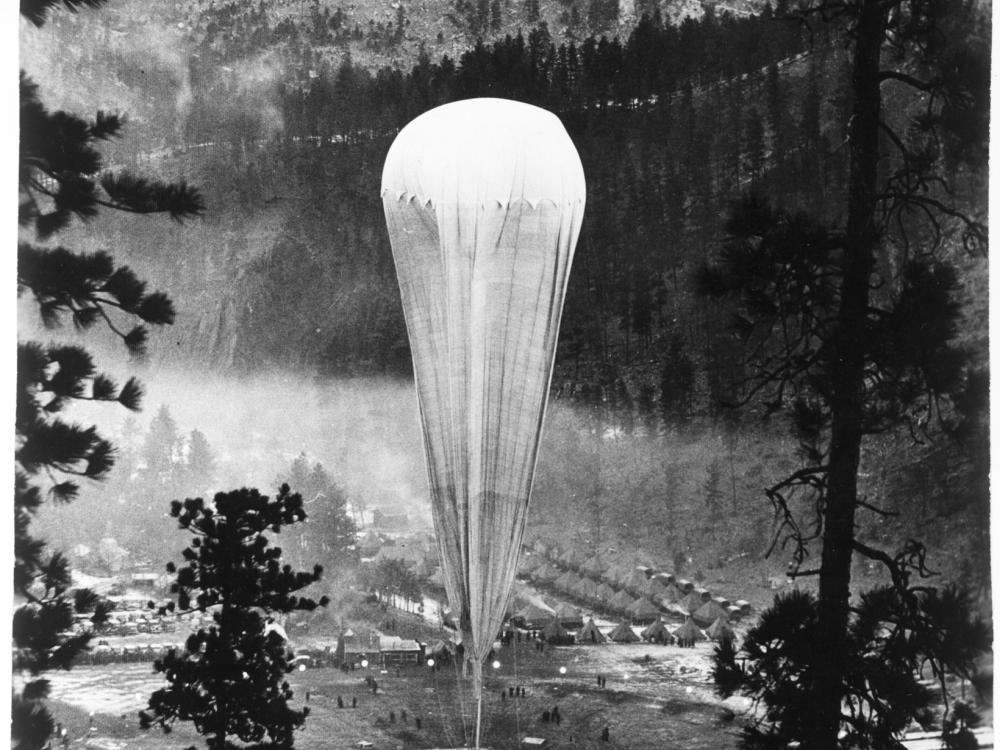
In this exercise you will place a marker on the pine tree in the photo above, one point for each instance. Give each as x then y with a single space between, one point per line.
713 490
853 329
891 642
200 466
229 680
676 384
61 175
331 530
161 453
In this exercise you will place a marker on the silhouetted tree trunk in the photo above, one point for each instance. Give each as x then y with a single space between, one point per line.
846 402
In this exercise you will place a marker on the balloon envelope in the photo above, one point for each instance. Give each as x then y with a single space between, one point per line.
483 200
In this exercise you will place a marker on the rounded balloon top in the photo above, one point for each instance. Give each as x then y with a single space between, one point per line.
483 150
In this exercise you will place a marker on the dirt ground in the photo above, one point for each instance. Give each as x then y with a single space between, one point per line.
655 697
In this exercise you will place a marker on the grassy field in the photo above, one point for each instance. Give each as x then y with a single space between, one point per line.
656 697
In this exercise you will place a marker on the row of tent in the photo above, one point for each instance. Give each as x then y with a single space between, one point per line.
642 598
656 632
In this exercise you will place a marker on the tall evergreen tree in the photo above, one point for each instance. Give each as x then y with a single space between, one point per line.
200 464
229 680
891 643
331 530
161 453
713 490
854 328
62 175
676 383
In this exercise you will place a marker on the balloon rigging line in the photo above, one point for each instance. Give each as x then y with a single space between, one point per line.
445 724
461 697
517 683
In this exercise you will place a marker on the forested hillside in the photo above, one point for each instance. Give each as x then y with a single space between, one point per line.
284 120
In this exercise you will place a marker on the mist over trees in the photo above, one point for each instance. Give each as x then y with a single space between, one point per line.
671 132
330 534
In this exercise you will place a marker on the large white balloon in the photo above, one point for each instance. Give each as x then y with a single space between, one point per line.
483 200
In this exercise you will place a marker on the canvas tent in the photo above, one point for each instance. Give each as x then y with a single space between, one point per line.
442 649
676 610
585 589
534 616
590 634
635 581
654 589
708 613
541 545
721 630
573 558
672 593
593 567
528 563
623 633
657 633
547 573
643 611
604 593
691 601
569 616
617 573
565 581
621 601
556 634
689 633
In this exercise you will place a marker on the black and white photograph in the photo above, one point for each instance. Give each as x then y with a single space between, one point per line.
501 375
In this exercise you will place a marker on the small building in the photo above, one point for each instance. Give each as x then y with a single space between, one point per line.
357 646
353 647
144 581
395 651
665 578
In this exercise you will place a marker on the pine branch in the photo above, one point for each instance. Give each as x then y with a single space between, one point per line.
141 195
36 11
928 87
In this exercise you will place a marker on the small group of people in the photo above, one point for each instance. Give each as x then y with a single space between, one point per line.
553 715
340 701
403 718
514 691
602 681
